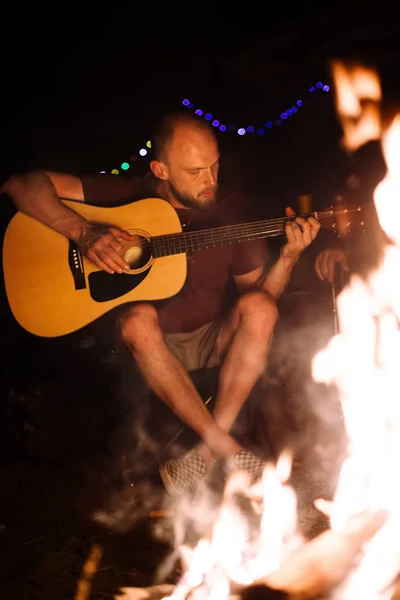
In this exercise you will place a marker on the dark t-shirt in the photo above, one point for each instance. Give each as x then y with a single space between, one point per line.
204 297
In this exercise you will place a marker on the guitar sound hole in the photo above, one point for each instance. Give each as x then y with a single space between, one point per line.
104 287
137 252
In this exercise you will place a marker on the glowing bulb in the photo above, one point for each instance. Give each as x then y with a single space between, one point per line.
125 166
142 151
299 102
185 102
284 115
319 84
102 171
250 129
312 89
208 117
260 131
148 144
326 88
198 112
222 128
115 172
215 123
241 131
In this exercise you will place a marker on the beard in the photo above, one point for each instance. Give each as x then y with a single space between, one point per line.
192 202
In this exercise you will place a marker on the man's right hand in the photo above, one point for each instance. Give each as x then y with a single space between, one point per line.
100 244
326 262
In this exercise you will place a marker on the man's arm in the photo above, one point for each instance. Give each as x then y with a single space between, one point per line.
300 233
326 262
38 194
274 282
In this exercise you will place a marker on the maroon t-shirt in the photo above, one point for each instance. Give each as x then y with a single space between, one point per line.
204 296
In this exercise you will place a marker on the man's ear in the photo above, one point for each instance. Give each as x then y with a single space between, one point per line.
159 169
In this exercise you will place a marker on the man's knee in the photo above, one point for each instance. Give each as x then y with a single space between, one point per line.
137 322
259 308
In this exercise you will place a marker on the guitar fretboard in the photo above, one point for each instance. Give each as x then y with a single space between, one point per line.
195 241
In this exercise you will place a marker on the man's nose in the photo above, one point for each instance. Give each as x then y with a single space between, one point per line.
210 178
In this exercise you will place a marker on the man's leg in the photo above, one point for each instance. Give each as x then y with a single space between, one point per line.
168 378
244 343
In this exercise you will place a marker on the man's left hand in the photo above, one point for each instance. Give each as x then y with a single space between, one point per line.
300 233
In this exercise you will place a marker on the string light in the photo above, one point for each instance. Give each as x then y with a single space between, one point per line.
261 129
240 130
125 166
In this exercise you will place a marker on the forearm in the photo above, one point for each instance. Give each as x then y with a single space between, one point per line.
35 195
276 280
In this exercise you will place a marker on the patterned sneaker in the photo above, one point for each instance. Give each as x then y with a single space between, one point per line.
181 475
250 463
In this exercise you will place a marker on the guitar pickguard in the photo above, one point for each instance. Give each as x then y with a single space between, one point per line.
104 287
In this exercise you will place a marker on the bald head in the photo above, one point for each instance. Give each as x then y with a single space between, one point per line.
187 158
175 128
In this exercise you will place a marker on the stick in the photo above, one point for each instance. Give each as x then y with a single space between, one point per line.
161 514
168 444
325 561
156 592
89 569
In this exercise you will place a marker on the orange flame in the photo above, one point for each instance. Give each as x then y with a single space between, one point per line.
358 95
364 358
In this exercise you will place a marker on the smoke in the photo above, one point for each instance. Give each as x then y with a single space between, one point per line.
121 486
299 414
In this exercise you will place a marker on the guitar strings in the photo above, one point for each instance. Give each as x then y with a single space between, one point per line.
251 227
173 243
209 237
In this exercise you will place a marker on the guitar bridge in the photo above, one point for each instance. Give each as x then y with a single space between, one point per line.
76 265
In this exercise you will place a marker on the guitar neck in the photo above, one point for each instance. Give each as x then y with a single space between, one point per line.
196 241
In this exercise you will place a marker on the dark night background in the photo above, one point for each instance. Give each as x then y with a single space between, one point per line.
81 83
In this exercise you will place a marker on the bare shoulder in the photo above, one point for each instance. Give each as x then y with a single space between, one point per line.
67 186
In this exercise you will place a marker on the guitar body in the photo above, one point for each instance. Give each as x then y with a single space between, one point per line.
53 290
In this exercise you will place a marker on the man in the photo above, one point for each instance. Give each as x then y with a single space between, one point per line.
327 261
170 338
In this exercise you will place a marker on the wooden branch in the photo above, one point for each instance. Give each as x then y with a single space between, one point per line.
155 592
89 570
327 560
311 572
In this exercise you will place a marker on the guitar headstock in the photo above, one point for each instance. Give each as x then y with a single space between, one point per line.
344 218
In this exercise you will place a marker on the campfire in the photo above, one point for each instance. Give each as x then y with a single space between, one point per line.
359 556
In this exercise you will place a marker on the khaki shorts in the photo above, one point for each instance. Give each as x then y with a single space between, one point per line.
196 349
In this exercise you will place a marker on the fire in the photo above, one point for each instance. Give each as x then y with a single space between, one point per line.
364 361
358 95
233 553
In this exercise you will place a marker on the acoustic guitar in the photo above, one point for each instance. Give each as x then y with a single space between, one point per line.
54 290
